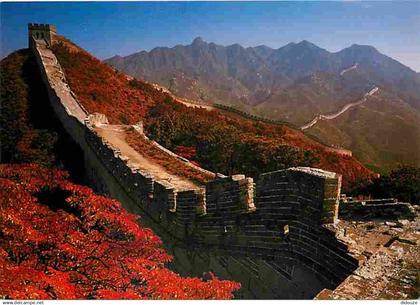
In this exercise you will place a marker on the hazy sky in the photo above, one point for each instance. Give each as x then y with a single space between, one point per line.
109 28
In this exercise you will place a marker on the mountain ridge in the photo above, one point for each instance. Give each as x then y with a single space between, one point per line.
274 69
293 83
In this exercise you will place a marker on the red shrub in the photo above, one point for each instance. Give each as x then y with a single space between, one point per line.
223 142
188 152
101 89
61 241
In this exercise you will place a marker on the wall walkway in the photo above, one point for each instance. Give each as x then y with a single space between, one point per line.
270 235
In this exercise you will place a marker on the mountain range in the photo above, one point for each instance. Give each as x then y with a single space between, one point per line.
296 82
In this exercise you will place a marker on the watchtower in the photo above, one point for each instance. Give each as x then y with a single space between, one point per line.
42 32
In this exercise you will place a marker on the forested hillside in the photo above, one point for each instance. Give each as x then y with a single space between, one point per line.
296 82
24 136
218 142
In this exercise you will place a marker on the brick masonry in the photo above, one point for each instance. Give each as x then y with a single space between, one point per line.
269 235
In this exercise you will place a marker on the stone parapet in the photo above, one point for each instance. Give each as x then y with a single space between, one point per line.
360 210
275 225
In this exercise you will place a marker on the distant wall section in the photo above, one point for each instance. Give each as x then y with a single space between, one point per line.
42 32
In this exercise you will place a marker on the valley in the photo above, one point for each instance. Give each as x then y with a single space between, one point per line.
340 112
300 84
242 206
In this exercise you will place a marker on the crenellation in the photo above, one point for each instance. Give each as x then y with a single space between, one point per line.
282 223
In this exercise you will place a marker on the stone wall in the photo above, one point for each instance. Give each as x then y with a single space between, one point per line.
45 32
340 151
375 209
268 235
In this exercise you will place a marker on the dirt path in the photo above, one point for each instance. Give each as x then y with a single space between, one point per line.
115 135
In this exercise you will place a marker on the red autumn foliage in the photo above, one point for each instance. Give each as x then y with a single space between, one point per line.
61 241
223 142
171 164
188 152
231 145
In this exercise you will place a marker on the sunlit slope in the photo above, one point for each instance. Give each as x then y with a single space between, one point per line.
382 133
218 142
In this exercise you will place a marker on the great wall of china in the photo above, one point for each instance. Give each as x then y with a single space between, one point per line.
278 236
246 115
332 116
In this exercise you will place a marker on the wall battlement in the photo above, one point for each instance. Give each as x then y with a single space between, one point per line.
267 234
